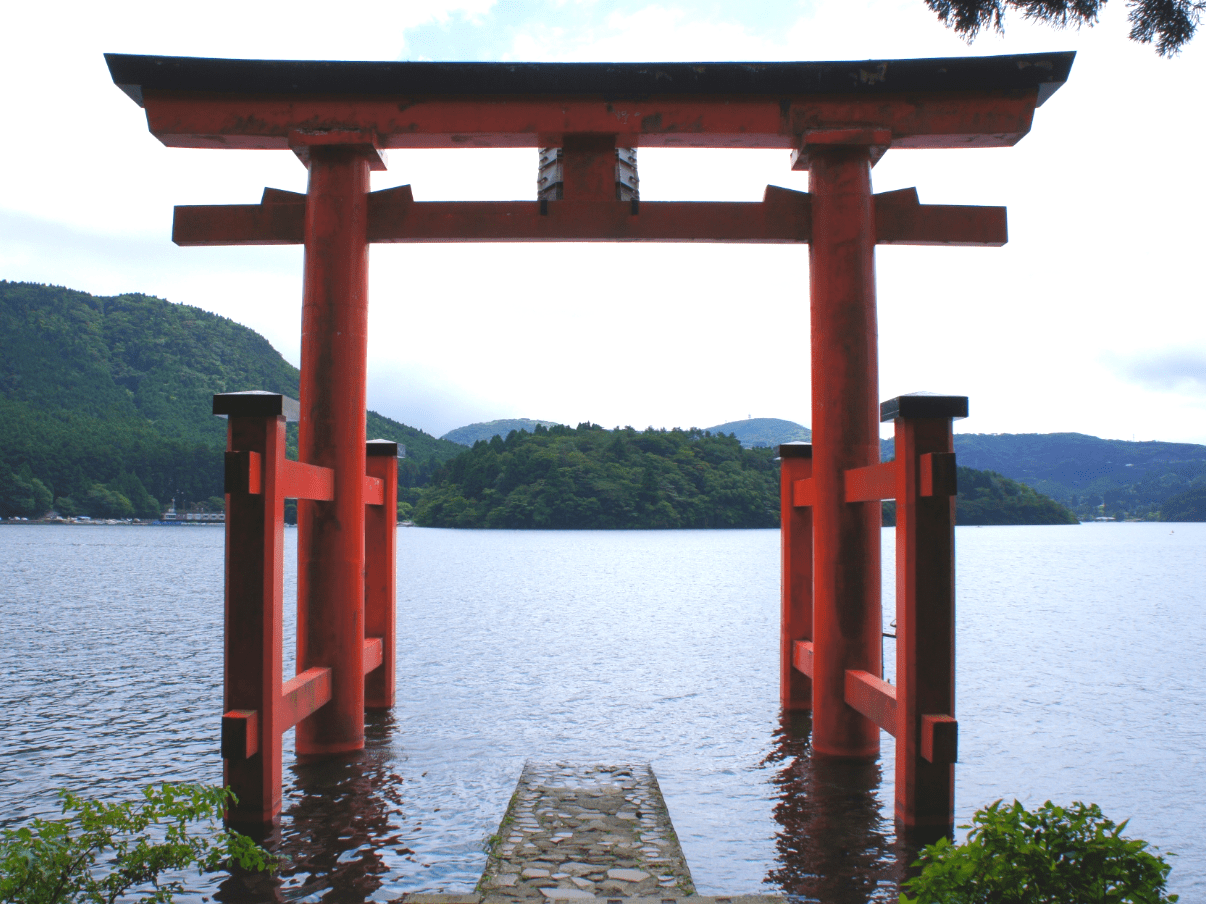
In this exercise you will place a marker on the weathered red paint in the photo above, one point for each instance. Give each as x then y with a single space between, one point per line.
330 541
784 217
303 695
380 575
795 537
873 697
845 434
255 550
925 618
919 120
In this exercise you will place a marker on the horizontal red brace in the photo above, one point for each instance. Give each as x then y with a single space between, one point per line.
803 493
303 481
374 653
240 734
244 472
303 695
873 697
801 656
374 490
940 739
900 219
872 483
784 217
938 474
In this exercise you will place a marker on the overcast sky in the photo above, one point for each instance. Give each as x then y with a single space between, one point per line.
1091 319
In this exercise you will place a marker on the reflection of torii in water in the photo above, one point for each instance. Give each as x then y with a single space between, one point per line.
838 119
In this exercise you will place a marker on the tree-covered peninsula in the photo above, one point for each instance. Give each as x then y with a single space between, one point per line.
588 477
591 478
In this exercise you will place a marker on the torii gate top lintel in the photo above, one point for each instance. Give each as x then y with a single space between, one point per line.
922 103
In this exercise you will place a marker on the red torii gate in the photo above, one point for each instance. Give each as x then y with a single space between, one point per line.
838 119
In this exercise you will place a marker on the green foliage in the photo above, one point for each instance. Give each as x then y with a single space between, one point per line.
108 402
588 477
98 852
1092 476
985 497
1054 855
21 493
1187 506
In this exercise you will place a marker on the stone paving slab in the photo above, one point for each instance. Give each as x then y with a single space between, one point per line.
584 833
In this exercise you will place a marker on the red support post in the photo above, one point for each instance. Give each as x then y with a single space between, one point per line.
795 537
380 578
330 572
925 611
845 434
255 544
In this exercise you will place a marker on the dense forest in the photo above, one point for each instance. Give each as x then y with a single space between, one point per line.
105 403
591 478
1094 477
588 477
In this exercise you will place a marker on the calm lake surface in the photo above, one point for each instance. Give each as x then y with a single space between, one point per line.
1081 654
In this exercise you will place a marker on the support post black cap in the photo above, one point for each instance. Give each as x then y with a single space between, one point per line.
923 404
256 403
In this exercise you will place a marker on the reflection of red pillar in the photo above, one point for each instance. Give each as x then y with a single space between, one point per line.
380 564
330 540
845 434
795 533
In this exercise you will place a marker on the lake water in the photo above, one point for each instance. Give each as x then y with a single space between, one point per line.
1080 677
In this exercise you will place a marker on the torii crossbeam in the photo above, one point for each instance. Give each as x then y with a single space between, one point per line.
838 119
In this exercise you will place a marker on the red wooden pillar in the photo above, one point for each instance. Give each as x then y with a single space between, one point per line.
380 565
330 541
255 543
845 434
925 611
795 537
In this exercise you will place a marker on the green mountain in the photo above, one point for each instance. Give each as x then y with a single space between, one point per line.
764 432
487 430
1093 476
1187 506
588 477
105 402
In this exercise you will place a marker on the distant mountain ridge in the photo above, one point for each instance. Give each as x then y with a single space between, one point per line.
764 432
487 430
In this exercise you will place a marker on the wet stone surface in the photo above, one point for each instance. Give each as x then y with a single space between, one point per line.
585 833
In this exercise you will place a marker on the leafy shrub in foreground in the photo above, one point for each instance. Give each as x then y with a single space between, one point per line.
99 852
1055 855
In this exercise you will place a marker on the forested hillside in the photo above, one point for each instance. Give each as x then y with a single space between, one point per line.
593 478
588 477
1095 477
105 402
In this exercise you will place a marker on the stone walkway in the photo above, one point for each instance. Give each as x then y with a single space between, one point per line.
583 833
586 833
